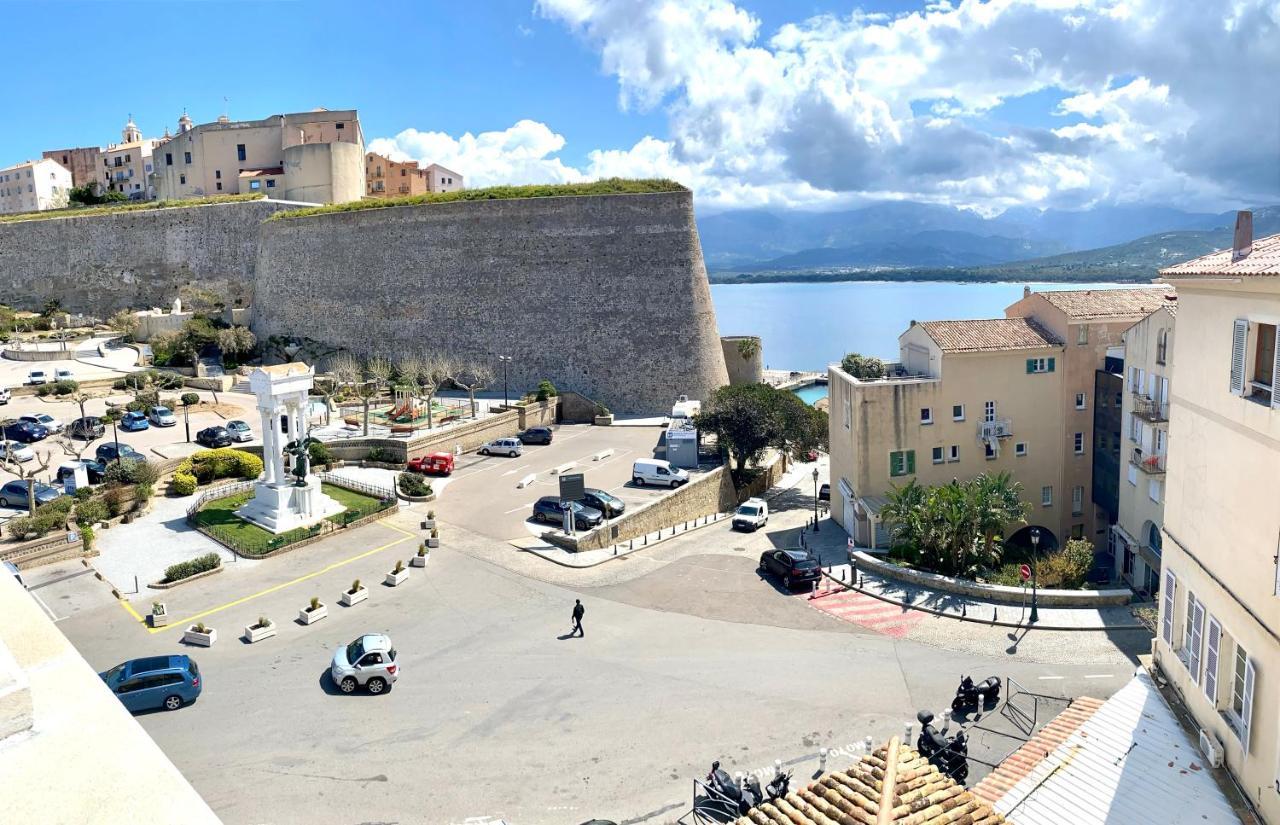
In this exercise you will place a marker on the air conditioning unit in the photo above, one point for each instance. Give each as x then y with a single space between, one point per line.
1211 748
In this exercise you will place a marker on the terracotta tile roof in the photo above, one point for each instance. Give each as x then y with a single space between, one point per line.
1024 760
1107 303
989 334
920 796
1263 260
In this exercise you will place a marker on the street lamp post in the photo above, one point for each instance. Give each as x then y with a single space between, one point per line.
1035 552
815 499
186 419
505 360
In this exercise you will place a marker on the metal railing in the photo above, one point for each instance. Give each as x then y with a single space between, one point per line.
380 493
1149 464
999 428
221 491
1150 409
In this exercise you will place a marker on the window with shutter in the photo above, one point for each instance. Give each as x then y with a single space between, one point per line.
1211 661
1166 621
1239 340
1246 713
1195 635
1051 362
911 461
1275 372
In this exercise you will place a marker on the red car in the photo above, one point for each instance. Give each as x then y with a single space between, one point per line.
439 464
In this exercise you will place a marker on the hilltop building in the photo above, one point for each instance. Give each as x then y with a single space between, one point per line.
82 163
387 178
127 166
1009 394
315 157
34 186
1219 630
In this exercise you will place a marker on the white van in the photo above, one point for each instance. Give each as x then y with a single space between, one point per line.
511 447
658 472
751 515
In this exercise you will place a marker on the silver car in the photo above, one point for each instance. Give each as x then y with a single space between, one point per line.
510 447
239 430
369 661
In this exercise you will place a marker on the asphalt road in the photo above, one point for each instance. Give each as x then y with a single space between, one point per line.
498 713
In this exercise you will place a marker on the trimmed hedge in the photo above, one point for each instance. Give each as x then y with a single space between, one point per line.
183 484
48 518
187 569
412 484
225 462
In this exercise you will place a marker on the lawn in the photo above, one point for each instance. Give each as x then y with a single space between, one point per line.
117 208
220 519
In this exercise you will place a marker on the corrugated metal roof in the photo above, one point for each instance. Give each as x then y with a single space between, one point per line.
1130 763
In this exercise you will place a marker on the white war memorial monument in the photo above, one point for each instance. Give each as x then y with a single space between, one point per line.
286 496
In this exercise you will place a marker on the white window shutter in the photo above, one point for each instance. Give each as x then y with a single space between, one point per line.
1239 340
1166 621
1246 711
1275 372
1211 660
1194 644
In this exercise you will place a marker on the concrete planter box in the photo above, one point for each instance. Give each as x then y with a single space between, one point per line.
395 579
308 616
348 598
419 561
428 524
256 634
195 637
604 420
433 542
415 499
160 619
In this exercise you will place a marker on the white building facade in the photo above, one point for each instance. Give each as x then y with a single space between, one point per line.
34 186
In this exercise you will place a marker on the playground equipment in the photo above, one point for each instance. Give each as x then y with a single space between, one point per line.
407 408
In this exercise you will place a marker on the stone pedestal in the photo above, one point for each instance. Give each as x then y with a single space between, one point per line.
281 507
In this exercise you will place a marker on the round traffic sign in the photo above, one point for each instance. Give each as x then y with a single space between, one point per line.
1025 571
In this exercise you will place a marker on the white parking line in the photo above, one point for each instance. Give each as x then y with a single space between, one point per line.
46 607
516 509
1046 678
1098 676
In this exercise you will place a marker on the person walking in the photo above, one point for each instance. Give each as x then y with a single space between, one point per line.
578 610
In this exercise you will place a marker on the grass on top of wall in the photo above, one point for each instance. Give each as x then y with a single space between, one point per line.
608 186
124 206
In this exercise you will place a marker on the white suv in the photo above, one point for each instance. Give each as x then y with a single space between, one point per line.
503 446
751 515
369 661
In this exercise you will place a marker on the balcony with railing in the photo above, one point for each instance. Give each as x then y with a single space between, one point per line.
999 428
1150 409
1151 464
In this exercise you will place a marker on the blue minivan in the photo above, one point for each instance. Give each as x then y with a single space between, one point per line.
167 682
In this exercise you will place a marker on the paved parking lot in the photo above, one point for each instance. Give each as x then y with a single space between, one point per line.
483 496
84 363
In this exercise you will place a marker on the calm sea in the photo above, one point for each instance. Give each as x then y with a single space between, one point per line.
807 326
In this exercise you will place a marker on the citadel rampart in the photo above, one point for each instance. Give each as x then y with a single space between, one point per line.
606 295
97 264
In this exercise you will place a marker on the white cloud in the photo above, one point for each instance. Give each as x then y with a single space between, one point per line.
1172 101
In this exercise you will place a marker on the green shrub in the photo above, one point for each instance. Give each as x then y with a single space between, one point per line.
66 386
83 493
546 390
224 462
48 518
382 455
320 453
114 499
91 511
19 527
86 536
190 398
862 366
187 569
45 389
131 471
250 465
183 484
412 484
143 492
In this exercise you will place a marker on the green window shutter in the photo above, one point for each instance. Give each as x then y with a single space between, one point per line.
1031 365
893 464
1051 364
911 462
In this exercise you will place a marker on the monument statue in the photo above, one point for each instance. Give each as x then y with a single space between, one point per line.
300 451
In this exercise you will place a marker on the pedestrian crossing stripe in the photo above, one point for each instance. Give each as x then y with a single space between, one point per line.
866 611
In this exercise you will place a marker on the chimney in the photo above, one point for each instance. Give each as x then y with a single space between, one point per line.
1026 292
1243 243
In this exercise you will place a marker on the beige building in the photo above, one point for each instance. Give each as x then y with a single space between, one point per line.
316 157
34 186
1089 322
966 397
1148 362
82 163
387 178
1219 631
126 166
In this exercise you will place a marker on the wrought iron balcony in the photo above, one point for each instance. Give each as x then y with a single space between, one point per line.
1000 428
1150 409
1152 465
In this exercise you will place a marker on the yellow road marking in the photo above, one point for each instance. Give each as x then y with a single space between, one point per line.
187 622
132 612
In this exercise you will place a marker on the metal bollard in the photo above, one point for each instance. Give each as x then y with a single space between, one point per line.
813 594
946 719
964 609
995 614
907 733
615 549
646 540
822 759
632 545
867 743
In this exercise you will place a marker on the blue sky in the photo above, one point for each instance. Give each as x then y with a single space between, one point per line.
1016 102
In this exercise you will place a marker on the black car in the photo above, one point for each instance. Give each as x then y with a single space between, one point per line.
117 449
536 435
610 505
95 470
793 565
547 509
214 437
824 492
23 431
88 428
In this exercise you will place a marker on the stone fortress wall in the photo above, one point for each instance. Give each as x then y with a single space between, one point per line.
97 264
606 295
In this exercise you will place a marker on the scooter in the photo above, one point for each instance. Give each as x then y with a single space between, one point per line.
779 786
967 694
721 782
949 756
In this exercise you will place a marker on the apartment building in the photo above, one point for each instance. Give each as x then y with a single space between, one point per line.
315 157
82 163
1148 362
387 178
1219 631
440 179
34 186
966 397
127 166
1090 323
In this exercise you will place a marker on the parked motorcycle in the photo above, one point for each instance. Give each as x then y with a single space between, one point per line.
966 700
779 786
948 755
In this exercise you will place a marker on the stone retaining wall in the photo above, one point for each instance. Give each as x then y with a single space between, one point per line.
992 592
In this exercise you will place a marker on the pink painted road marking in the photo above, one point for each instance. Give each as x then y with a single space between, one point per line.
866 611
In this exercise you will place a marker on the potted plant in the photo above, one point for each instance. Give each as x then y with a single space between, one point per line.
398 575
354 594
420 558
434 541
259 630
604 418
199 634
313 612
429 523
159 614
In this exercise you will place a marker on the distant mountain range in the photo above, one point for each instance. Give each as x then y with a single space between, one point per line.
911 241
